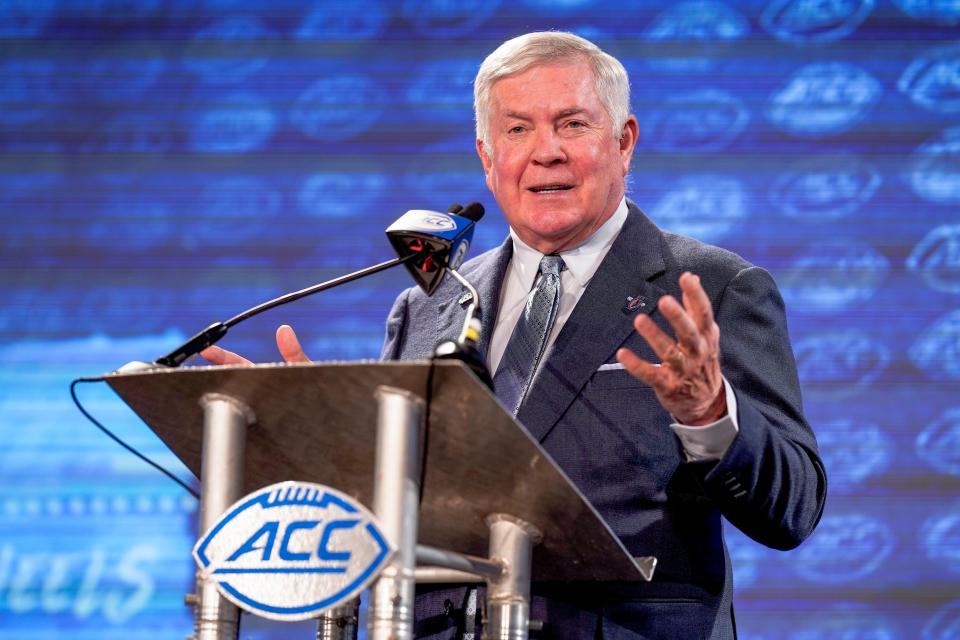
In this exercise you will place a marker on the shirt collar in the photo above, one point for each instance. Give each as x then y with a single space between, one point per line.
582 261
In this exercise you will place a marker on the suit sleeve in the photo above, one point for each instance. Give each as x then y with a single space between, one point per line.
396 328
770 483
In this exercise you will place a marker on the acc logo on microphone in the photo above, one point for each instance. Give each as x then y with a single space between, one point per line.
293 549
427 221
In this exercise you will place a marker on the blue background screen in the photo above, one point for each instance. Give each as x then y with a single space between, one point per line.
168 163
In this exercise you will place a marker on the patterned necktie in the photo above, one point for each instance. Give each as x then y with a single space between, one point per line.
526 345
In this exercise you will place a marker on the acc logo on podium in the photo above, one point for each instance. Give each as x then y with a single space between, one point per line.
293 549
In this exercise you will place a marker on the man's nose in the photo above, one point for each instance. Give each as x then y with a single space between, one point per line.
548 148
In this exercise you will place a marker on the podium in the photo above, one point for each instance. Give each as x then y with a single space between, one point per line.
443 465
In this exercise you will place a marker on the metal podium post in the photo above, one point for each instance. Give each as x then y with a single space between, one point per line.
396 503
225 421
508 595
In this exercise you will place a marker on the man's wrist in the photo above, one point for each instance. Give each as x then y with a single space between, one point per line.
716 410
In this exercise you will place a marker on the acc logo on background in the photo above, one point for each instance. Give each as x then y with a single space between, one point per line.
443 91
936 258
337 107
941 538
823 98
937 351
698 30
445 19
933 80
344 21
241 122
944 623
939 442
706 120
704 206
844 548
338 194
293 549
946 11
841 362
825 188
853 452
935 168
830 277
228 50
809 21
25 18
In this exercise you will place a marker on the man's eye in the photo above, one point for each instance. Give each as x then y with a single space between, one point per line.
575 124
516 129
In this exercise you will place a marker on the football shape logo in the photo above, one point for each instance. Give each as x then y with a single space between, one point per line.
292 550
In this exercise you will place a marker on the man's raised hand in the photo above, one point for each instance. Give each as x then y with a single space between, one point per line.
688 383
287 343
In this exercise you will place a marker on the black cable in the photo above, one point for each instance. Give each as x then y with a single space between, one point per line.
158 467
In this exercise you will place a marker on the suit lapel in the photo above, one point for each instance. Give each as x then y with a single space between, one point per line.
599 324
486 274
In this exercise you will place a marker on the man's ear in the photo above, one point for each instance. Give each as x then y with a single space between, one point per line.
628 141
486 160
484 156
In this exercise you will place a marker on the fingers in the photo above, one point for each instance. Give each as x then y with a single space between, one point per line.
219 356
688 334
652 374
289 345
696 301
660 342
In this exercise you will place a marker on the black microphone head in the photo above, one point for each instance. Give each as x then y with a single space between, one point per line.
436 241
473 211
456 207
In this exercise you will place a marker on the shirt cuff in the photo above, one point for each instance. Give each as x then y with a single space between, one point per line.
711 441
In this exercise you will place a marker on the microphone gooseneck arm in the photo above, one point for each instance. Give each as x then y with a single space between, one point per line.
217 330
468 323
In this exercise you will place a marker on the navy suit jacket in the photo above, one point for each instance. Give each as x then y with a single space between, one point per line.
612 438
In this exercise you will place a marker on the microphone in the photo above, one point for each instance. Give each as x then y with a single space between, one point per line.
439 241
424 241
465 348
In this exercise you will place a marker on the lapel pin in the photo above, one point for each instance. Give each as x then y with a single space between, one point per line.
465 297
634 304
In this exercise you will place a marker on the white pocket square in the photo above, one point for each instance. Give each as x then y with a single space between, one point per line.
611 366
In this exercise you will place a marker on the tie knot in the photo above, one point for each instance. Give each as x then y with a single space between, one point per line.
551 265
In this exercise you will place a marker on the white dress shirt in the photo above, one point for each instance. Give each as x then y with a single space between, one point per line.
708 442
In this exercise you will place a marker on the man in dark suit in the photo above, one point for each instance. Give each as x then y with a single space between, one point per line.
656 370
661 450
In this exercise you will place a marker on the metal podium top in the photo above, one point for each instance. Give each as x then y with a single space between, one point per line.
317 423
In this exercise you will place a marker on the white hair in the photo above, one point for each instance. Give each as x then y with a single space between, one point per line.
551 47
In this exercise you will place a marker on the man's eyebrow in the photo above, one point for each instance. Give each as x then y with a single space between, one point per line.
571 111
563 113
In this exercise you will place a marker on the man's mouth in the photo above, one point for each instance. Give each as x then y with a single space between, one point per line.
551 188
